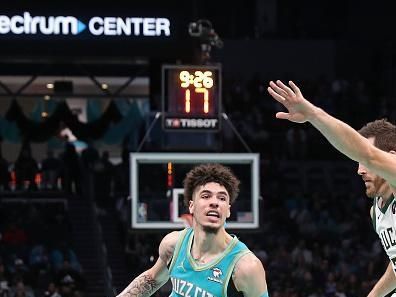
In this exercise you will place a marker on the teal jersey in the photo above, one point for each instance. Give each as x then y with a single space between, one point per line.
190 279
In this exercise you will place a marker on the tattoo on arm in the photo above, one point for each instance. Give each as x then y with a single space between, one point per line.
142 286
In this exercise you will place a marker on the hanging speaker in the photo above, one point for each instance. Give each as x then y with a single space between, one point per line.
63 87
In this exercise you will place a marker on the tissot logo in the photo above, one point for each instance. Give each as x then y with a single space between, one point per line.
70 25
191 123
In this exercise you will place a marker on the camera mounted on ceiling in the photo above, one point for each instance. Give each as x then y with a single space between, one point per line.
208 38
203 29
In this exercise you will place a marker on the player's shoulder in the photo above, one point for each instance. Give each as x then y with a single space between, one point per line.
168 244
248 265
170 239
249 275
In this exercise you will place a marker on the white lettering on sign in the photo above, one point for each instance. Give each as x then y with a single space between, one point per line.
191 123
70 25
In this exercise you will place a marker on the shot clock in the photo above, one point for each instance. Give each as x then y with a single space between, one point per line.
191 97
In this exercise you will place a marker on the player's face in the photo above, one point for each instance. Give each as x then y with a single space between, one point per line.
210 206
375 185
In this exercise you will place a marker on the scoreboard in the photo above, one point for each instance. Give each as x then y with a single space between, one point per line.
191 97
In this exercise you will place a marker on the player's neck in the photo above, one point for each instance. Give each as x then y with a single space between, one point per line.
387 194
209 243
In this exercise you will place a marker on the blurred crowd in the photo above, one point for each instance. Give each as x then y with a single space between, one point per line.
36 254
252 111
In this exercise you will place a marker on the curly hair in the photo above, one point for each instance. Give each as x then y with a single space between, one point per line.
384 133
206 173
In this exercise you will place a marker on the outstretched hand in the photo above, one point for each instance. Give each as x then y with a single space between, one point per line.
299 109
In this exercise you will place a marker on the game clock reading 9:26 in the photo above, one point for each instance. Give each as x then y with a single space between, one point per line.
191 97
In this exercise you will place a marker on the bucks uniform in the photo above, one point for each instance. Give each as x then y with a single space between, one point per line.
209 280
384 221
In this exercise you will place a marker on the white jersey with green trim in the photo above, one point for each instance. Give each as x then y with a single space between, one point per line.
384 222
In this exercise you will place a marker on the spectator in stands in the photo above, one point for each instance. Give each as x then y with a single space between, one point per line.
26 169
41 279
20 290
51 169
20 272
103 171
121 172
296 143
67 286
4 289
62 254
5 176
38 257
71 172
69 277
14 236
52 291
4 280
89 156
301 253
260 253
352 286
3 273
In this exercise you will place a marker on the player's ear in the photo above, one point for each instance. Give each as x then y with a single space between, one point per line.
191 206
393 152
229 211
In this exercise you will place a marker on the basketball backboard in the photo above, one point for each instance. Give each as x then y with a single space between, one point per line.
157 190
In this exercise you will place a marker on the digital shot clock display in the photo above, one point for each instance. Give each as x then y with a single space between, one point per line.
191 97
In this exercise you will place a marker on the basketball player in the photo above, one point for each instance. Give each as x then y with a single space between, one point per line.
374 148
204 261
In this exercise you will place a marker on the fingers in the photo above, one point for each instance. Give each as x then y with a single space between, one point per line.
276 96
295 88
282 115
278 89
285 88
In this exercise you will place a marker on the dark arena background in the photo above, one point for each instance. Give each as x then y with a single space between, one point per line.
104 108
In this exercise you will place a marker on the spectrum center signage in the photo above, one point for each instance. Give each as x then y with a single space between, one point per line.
27 24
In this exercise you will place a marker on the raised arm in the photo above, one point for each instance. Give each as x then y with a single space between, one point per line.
385 285
249 277
343 137
151 280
